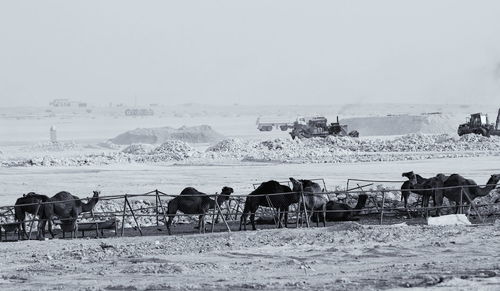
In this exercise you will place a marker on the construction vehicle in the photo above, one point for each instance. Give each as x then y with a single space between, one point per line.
478 123
307 127
269 125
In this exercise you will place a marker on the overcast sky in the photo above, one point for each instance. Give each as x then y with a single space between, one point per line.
295 52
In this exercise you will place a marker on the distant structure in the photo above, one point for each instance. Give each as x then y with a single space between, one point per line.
53 134
139 112
66 103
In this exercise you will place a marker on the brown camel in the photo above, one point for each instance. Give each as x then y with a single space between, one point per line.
29 203
192 201
424 187
470 189
337 211
406 188
314 198
280 197
68 207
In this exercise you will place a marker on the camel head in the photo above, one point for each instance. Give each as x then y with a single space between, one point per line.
493 179
411 176
226 190
86 207
224 194
96 194
297 186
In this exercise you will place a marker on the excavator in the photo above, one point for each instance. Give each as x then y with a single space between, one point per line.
478 123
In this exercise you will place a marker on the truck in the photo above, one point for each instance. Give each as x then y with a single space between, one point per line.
478 123
307 127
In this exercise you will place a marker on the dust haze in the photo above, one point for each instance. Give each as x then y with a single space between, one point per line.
249 53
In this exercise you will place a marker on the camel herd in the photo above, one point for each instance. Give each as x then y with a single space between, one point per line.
272 194
63 205
455 188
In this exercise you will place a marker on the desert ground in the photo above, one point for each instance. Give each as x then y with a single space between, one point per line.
346 256
403 253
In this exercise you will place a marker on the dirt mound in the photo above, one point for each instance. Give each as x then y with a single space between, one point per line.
347 149
194 134
174 150
403 124
138 149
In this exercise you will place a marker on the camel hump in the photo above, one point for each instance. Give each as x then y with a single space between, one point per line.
270 187
63 195
190 191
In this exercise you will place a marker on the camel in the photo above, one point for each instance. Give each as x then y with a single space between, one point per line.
192 201
29 203
68 207
407 187
280 196
342 212
314 199
427 188
470 189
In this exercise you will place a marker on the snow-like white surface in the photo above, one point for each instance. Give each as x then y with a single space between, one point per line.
451 219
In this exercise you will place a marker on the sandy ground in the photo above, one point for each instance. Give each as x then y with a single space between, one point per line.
346 256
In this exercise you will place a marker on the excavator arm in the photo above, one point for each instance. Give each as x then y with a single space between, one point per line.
497 124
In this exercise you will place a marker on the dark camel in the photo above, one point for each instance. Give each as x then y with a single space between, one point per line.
314 198
192 201
407 188
34 201
342 212
427 188
281 198
470 189
68 207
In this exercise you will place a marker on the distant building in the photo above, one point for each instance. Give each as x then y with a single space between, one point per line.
66 103
139 112
60 103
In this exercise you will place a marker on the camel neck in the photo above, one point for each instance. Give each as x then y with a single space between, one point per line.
89 205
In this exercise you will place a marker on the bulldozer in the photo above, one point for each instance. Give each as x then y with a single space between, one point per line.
478 123
318 127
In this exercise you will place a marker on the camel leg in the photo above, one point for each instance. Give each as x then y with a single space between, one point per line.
50 227
252 220
243 219
438 200
169 222
201 224
285 216
311 216
40 229
23 225
280 225
324 215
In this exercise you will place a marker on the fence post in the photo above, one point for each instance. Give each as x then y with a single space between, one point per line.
124 210
162 209
222 216
133 215
383 206
474 206
213 214
461 201
305 209
156 198
273 210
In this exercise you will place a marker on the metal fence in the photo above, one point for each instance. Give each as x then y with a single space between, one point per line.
155 209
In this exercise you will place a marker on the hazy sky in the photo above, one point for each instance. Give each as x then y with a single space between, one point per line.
250 52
